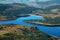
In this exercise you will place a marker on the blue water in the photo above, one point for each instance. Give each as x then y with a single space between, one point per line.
54 31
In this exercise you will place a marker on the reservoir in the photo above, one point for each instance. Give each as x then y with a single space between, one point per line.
54 31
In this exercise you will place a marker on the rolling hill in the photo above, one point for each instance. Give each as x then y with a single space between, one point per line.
9 11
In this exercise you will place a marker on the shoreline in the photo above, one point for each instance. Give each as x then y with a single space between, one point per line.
45 24
14 19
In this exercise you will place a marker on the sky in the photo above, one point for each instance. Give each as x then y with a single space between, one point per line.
40 0
20 1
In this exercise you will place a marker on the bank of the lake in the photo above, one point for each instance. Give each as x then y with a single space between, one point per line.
17 32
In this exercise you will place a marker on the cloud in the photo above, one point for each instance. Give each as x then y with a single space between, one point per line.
18 1
44 0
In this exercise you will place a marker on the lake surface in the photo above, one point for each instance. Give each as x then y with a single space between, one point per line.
54 31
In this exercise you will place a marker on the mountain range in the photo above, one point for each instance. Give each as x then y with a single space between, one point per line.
44 4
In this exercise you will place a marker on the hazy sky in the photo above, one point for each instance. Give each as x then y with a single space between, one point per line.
19 1
40 0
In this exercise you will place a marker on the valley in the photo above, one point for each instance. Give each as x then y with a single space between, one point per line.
32 21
